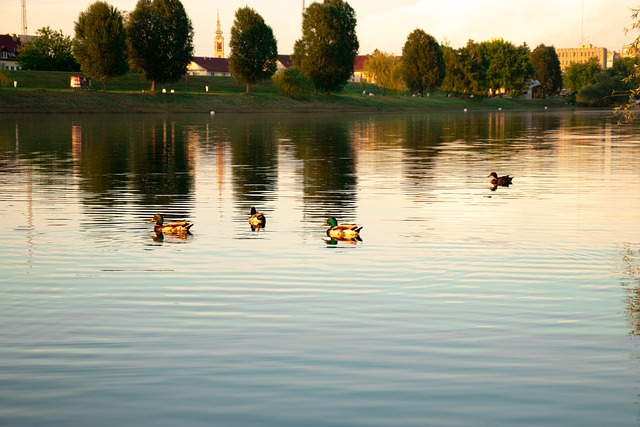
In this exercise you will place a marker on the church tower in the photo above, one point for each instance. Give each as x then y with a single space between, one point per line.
218 42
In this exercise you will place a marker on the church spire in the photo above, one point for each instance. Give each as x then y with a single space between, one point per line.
218 42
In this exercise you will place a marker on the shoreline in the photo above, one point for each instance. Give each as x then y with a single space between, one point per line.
48 101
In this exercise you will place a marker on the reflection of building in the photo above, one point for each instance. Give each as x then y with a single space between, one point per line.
218 42
581 55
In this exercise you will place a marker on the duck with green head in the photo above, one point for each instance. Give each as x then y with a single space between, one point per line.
342 231
174 228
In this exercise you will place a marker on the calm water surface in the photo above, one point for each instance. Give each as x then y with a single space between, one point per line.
461 306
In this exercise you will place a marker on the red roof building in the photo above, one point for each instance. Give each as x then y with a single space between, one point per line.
9 44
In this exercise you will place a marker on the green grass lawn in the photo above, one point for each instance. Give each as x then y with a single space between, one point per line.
50 92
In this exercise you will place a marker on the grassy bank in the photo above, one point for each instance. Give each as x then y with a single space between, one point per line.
48 92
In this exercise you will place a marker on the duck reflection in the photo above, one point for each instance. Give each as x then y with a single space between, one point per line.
175 238
330 241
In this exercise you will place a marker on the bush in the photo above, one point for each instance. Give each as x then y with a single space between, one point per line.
292 83
5 79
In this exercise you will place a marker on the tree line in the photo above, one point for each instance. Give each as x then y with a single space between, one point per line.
156 39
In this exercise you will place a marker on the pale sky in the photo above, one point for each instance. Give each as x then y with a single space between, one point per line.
382 25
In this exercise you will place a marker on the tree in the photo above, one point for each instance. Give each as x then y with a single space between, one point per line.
579 75
611 86
546 68
293 83
474 64
423 62
452 81
160 40
100 43
379 67
49 50
254 50
508 67
329 45
629 110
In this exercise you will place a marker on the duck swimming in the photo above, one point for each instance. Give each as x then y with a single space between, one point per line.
504 180
174 228
257 219
342 231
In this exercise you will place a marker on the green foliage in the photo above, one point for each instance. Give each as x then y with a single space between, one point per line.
508 67
329 44
5 78
579 75
546 68
423 62
383 68
254 50
49 50
453 71
629 110
160 40
293 83
100 43
611 86
473 69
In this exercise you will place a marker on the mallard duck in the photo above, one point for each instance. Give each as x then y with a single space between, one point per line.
342 231
257 219
504 180
175 228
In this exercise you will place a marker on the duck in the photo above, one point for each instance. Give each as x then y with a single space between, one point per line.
504 180
257 219
342 231
175 228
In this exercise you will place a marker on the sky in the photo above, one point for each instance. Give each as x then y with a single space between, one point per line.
382 25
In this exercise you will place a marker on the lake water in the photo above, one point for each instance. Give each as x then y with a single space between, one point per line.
462 305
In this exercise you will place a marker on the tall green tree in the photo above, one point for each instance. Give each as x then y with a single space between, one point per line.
546 68
49 50
422 61
508 66
580 75
100 43
329 44
453 76
474 64
254 50
160 40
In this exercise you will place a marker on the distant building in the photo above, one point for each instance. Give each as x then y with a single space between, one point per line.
218 42
284 62
581 55
359 74
612 56
207 66
9 44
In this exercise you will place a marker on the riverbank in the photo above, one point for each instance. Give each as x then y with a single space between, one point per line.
47 92
68 101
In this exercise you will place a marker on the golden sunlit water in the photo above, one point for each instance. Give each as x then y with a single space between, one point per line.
463 303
